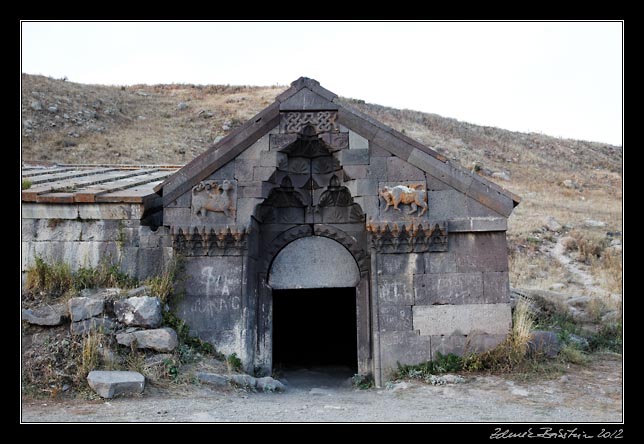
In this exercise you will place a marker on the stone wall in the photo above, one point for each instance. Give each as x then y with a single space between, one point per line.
449 302
84 235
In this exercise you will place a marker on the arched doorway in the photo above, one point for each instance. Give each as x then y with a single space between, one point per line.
313 281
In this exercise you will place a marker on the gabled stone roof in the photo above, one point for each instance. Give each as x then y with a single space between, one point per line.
307 95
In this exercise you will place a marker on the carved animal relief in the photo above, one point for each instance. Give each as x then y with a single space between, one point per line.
413 195
209 195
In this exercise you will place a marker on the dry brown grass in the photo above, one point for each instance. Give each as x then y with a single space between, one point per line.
535 271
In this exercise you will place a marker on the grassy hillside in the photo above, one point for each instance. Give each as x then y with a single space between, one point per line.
570 180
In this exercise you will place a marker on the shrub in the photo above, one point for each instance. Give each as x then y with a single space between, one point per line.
234 363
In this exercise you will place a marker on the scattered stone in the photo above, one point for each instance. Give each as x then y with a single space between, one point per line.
212 379
109 384
104 325
142 311
569 183
53 108
568 242
591 223
611 316
227 125
268 384
49 315
182 105
503 175
564 379
400 386
519 392
66 116
206 114
557 286
36 105
160 339
319 391
545 342
143 290
217 139
580 342
243 380
158 359
85 307
142 93
100 293
444 379
580 302
551 224
616 243
27 124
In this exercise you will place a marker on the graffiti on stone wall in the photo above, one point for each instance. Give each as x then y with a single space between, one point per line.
209 195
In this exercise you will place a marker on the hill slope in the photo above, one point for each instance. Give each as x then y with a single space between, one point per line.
571 180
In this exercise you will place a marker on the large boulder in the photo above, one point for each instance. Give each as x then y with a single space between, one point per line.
268 384
49 315
85 307
160 339
212 379
141 311
109 384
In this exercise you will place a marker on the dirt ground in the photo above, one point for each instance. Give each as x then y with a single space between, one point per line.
591 393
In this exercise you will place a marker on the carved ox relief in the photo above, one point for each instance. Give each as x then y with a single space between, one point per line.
209 195
414 195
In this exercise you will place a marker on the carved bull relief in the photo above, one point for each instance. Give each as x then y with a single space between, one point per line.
210 195
413 195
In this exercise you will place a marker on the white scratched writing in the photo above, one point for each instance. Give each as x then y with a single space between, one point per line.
217 284
550 433
212 306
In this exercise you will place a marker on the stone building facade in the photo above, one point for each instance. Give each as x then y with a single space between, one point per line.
314 233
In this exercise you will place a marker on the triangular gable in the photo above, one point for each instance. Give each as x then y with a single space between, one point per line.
307 95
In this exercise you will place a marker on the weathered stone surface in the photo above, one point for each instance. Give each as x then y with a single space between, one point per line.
479 251
142 311
449 288
403 347
354 157
436 262
314 262
104 325
399 170
396 290
462 345
395 317
357 142
396 264
243 380
109 384
362 187
496 286
212 379
84 307
544 342
551 224
447 204
161 339
447 320
48 315
268 384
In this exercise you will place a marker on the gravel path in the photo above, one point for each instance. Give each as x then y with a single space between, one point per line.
589 393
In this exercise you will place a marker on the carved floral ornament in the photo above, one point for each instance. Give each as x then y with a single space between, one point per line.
203 241
389 238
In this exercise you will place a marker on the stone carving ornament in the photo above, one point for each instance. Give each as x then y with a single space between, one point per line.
414 195
209 195
322 121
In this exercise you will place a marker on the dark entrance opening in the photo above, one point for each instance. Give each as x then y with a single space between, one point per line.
315 328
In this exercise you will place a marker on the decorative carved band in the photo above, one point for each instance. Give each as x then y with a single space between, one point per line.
204 241
322 121
389 238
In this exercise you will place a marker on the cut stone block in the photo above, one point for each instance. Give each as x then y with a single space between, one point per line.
161 339
447 320
49 315
142 311
109 384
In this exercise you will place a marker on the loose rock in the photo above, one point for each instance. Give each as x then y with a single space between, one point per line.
551 224
160 339
591 223
503 175
47 315
84 308
244 380
143 311
109 384
545 342
212 379
182 105
268 384
36 105
104 325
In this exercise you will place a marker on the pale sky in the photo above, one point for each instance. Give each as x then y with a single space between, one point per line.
559 79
